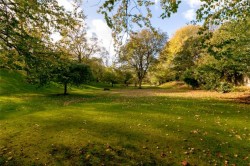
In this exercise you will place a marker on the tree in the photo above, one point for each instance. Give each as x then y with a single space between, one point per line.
97 68
229 45
216 12
122 15
222 63
111 76
189 78
71 73
141 51
188 56
25 30
124 75
78 45
179 53
24 23
179 38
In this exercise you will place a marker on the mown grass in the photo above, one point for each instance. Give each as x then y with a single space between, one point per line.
119 127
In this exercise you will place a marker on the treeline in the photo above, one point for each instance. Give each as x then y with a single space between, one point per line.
26 44
215 58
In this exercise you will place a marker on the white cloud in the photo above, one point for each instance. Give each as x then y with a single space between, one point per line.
189 14
194 3
156 1
67 4
103 32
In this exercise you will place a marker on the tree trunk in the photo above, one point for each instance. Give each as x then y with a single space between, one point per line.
112 84
140 82
65 89
79 58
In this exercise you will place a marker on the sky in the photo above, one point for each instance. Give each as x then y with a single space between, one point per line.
97 24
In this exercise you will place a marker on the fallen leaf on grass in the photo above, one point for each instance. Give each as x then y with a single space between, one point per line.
185 163
219 155
195 131
245 158
238 137
163 154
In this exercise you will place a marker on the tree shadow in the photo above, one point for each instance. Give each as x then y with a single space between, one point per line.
244 99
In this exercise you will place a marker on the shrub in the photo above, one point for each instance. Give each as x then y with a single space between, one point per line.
189 78
225 87
208 77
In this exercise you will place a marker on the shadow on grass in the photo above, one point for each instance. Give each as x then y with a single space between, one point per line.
244 100
133 146
108 117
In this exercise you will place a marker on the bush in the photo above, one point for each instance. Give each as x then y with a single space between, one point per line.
208 77
189 78
225 87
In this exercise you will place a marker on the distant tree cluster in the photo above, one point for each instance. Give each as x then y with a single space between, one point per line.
215 55
26 44
217 59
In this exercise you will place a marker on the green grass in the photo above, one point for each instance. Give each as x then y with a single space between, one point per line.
93 127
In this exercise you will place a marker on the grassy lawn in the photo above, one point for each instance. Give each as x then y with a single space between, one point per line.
163 126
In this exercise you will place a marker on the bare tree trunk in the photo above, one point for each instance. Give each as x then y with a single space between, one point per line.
140 82
79 58
65 89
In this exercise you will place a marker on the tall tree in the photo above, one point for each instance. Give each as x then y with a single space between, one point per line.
25 29
141 51
21 19
79 46
178 53
230 45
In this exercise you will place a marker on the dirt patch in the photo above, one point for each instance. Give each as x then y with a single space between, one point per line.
242 97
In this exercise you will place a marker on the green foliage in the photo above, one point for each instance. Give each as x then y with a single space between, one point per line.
97 68
26 25
223 57
179 54
189 78
141 51
208 77
216 12
125 76
123 15
230 47
110 76
225 87
71 73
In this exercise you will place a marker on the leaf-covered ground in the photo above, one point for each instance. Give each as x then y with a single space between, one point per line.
121 126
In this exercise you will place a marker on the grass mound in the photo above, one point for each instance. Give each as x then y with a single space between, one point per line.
174 85
13 82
